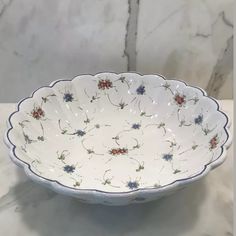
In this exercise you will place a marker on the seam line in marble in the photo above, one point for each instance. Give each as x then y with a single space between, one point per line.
131 34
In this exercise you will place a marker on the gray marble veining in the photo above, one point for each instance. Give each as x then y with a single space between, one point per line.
42 41
221 70
189 40
45 41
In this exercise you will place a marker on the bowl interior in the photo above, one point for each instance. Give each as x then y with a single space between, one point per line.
117 133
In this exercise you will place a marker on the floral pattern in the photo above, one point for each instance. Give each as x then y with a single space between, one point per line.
79 133
118 151
167 157
69 168
136 126
132 184
214 141
140 90
104 84
130 128
38 113
198 120
68 97
179 99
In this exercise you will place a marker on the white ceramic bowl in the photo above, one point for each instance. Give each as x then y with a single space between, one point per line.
117 139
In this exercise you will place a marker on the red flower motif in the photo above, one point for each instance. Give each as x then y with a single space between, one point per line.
118 151
180 100
213 142
104 84
38 113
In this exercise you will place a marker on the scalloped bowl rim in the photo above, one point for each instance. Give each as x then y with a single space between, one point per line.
60 188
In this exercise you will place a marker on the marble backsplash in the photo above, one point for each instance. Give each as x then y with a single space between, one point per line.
41 41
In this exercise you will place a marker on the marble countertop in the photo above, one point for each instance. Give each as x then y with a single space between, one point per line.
203 209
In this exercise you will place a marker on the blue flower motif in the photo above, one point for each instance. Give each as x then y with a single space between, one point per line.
136 126
198 120
68 97
167 157
80 133
69 168
132 184
140 90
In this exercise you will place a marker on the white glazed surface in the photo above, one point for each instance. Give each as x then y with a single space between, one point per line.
118 139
